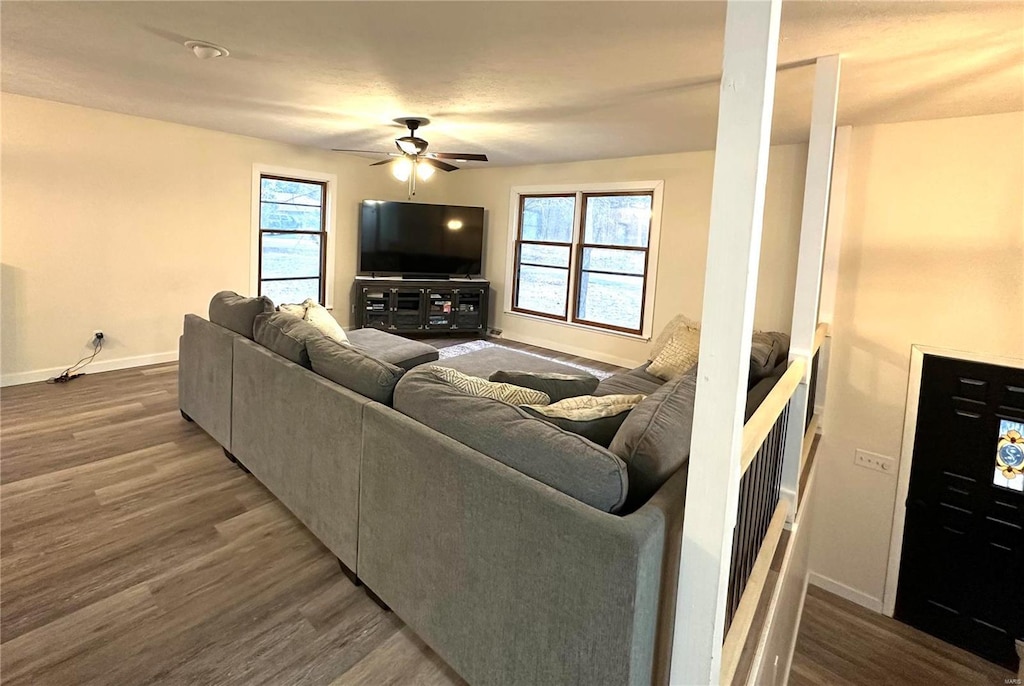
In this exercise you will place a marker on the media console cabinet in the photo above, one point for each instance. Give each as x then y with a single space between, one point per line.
420 306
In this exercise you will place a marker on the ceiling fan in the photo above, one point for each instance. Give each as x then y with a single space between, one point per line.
412 160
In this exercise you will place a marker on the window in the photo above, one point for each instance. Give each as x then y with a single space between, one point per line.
292 239
292 244
587 257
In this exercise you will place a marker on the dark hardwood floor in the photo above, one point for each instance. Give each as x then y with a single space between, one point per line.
133 552
843 643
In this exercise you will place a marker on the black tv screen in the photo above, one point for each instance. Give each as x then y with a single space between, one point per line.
413 238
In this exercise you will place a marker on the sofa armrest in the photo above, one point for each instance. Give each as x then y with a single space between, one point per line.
511 581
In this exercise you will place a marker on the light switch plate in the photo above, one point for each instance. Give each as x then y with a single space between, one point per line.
879 463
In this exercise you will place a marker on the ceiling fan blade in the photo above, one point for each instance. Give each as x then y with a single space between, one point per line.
438 164
459 156
377 164
365 152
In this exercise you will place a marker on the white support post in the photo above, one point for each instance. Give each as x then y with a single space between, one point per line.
737 213
809 262
830 267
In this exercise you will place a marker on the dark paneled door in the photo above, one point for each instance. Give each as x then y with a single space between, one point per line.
962 569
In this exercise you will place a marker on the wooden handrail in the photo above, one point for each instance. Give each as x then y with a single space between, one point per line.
763 419
819 337
739 630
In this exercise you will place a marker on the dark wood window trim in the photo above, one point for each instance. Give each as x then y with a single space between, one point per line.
579 270
520 242
322 276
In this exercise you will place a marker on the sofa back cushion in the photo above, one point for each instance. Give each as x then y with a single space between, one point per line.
353 369
508 434
238 313
654 441
286 335
767 350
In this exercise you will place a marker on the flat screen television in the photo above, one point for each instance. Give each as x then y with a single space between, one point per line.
414 239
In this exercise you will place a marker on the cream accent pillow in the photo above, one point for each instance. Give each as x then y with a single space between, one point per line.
505 392
297 310
584 408
680 321
319 317
679 354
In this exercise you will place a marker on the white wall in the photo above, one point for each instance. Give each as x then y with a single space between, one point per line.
933 254
124 224
684 238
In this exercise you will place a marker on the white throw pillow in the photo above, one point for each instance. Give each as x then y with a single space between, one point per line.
679 354
323 321
584 408
297 309
505 392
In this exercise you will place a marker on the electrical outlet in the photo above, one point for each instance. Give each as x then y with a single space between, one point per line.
879 463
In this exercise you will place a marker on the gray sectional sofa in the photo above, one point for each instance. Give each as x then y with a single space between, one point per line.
521 553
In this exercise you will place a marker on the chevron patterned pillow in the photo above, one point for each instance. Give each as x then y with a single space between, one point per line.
505 392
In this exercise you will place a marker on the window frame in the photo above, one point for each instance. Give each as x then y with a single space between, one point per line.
329 184
575 269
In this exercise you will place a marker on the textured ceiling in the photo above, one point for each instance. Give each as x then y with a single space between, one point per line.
525 82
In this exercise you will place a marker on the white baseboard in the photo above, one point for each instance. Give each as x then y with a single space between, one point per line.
19 378
573 350
843 591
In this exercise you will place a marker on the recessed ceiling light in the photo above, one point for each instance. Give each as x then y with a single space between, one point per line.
204 50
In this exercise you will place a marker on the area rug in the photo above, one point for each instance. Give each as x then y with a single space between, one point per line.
472 346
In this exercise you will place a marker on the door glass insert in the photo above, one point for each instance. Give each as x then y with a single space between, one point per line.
1009 472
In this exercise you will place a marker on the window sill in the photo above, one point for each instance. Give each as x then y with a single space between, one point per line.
645 337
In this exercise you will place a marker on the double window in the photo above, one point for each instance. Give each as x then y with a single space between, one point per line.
586 258
292 239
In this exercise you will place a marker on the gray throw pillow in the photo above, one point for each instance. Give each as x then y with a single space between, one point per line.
654 440
353 369
238 313
286 335
600 431
556 386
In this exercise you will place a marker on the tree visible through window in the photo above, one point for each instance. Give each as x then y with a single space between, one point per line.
293 239
596 258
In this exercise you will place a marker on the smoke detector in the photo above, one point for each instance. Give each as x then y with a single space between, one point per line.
204 50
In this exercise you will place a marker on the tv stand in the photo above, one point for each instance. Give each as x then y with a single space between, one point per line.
422 306
424 277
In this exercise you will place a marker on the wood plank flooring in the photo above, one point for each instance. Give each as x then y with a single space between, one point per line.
843 643
133 552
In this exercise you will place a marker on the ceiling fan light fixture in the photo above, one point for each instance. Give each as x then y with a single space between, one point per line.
423 170
401 168
204 50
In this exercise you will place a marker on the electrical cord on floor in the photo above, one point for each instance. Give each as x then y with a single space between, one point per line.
75 370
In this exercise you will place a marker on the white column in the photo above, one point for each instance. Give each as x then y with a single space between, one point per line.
809 261
830 267
734 246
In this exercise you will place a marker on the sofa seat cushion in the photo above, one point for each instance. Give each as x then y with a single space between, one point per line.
596 418
654 441
353 369
493 358
395 350
635 381
509 434
238 313
286 335
557 386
